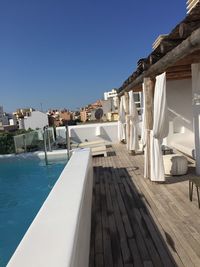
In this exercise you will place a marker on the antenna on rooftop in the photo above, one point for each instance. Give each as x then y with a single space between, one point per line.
41 108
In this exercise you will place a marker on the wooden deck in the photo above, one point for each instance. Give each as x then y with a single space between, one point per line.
139 223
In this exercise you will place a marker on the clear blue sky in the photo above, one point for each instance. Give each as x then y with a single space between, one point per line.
66 53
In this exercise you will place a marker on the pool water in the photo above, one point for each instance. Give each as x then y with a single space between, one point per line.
24 186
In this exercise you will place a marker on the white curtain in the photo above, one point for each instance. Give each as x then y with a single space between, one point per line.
196 111
144 133
132 134
122 120
160 129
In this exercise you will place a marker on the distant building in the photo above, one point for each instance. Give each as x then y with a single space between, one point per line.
35 120
76 116
60 118
23 112
20 122
87 112
3 117
83 115
65 116
112 116
110 94
54 118
4 120
1 111
7 121
12 120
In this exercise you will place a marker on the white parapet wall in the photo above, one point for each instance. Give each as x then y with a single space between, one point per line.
107 132
97 131
59 236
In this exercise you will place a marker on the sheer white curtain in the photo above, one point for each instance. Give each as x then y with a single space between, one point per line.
122 120
144 133
132 140
160 129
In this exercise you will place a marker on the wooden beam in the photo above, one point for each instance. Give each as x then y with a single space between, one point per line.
167 45
137 88
188 46
186 28
189 59
154 57
143 63
179 72
179 68
179 76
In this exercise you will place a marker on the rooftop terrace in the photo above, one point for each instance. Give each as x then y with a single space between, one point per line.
139 223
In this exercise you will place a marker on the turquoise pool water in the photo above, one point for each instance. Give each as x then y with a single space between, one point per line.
24 185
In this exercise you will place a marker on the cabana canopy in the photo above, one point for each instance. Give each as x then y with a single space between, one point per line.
174 54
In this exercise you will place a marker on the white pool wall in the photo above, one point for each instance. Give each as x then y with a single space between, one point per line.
92 132
60 233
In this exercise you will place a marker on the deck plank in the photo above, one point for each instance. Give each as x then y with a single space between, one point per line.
139 223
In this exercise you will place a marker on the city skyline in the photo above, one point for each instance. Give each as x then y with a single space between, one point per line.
64 54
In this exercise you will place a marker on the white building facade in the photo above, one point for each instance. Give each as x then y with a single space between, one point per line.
3 117
36 120
110 94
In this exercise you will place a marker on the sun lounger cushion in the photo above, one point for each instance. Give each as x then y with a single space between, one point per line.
175 164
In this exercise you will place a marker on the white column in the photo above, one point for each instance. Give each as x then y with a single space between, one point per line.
196 111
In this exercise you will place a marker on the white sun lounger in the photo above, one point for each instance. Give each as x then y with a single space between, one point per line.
92 143
89 143
99 150
98 147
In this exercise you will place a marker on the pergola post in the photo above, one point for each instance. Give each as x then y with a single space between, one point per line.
149 85
196 111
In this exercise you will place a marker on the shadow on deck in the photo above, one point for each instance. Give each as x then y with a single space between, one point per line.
123 231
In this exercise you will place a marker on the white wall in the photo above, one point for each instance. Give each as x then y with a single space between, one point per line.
179 100
36 120
109 94
59 236
92 132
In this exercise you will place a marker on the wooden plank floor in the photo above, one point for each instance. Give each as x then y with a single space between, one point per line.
139 223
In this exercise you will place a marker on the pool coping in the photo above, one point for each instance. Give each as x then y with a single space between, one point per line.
60 233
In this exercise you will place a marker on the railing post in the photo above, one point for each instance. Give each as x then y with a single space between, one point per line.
49 142
24 136
68 142
16 151
45 145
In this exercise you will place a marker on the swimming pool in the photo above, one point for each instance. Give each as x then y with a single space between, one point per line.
24 186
